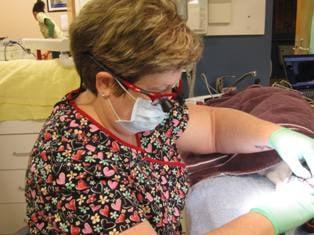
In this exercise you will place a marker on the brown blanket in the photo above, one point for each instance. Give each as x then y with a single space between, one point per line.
287 108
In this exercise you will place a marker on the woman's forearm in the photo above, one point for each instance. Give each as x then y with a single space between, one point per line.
239 132
248 224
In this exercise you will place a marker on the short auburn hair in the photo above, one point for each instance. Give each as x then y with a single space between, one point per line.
132 37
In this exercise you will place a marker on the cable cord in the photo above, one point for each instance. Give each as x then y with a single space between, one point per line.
220 80
251 73
208 86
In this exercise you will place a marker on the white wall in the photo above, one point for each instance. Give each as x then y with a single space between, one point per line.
17 21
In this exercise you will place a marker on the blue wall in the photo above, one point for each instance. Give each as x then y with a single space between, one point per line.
235 55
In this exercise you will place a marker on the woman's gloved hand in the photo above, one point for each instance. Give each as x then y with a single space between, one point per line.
294 148
286 210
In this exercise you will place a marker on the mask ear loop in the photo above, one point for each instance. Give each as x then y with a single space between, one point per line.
113 110
123 88
109 101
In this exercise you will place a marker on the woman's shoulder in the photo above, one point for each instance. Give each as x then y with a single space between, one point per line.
41 16
175 124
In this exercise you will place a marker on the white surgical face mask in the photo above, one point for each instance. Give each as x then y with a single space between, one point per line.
145 116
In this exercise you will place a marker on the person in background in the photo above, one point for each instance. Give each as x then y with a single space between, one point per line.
107 160
48 27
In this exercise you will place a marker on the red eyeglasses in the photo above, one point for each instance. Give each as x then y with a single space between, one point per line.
156 97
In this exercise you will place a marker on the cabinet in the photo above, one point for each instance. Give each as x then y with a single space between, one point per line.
16 141
227 17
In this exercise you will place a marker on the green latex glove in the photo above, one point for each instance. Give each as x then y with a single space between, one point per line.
294 148
286 210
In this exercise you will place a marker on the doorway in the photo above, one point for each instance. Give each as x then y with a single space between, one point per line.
291 32
283 34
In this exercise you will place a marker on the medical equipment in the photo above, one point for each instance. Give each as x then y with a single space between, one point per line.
299 73
62 45
49 44
220 81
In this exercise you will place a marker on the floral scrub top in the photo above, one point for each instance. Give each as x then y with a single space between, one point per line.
84 180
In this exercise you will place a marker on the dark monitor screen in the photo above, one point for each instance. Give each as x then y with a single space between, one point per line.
299 68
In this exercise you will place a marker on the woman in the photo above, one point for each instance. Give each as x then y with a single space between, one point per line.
48 27
107 159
